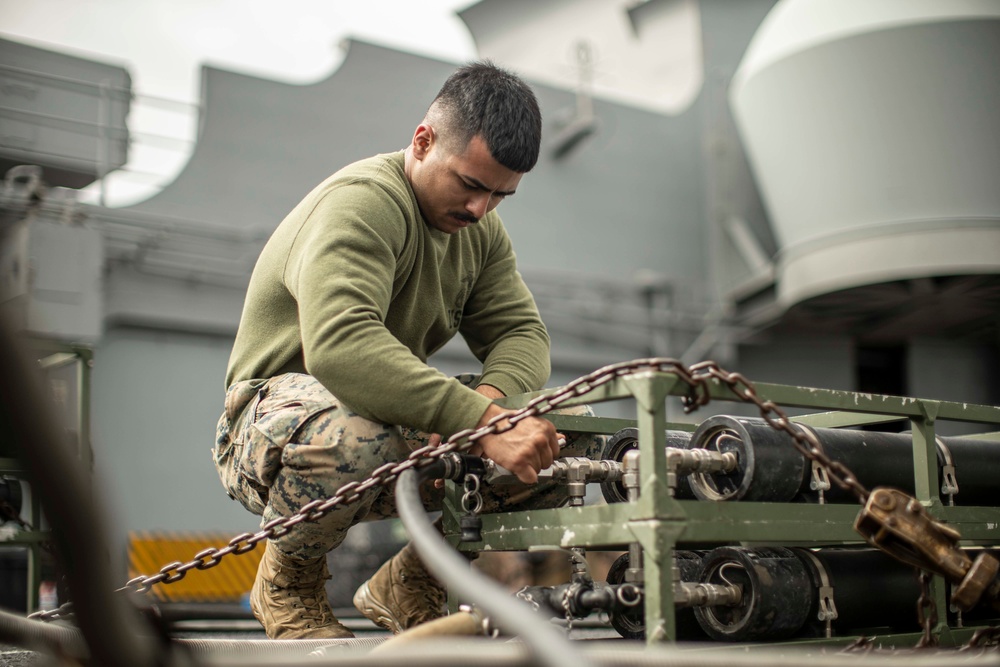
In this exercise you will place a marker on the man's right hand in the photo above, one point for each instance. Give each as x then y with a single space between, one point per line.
525 449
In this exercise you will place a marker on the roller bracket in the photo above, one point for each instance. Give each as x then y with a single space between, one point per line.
819 481
949 480
826 607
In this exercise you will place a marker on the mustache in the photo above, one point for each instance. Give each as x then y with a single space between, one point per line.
465 217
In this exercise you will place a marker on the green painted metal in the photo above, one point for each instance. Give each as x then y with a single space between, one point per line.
993 436
10 466
582 424
843 419
659 523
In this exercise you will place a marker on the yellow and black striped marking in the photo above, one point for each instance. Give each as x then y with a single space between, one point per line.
229 581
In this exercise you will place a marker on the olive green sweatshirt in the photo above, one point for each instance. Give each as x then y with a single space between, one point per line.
357 290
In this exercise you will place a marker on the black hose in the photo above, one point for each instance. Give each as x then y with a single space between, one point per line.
548 644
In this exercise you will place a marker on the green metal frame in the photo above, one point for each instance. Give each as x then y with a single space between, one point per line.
51 355
659 523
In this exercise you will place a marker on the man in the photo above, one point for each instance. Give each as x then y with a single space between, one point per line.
375 270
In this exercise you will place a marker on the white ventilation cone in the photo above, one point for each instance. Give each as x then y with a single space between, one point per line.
873 128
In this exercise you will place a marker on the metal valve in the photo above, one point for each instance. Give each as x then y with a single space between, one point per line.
574 471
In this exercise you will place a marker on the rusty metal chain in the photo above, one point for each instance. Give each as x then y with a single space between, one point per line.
927 615
697 378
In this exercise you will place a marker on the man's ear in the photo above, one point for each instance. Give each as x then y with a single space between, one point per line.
423 139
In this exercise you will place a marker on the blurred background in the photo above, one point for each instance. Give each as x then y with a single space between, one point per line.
807 191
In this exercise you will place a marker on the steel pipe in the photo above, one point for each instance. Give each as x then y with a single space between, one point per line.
626 440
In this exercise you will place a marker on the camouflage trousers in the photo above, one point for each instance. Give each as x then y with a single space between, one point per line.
284 442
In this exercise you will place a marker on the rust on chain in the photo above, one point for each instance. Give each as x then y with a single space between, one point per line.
927 614
697 377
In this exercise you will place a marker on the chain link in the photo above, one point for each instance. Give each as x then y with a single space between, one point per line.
567 609
927 615
472 499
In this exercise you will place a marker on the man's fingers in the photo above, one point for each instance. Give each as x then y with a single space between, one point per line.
530 447
527 475
547 455
557 444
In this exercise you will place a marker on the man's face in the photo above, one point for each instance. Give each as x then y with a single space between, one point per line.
456 188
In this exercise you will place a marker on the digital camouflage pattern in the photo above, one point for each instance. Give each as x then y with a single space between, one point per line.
284 442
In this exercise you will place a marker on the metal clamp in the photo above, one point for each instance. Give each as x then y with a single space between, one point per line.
949 481
819 476
827 609
820 481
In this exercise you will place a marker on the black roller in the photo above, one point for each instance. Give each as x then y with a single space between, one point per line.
977 468
874 591
778 594
626 440
631 623
771 469
871 590
768 469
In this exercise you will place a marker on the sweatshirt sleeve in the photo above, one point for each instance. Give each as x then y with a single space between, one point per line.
340 270
502 326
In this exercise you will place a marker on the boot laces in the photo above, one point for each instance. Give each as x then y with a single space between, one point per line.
311 608
421 597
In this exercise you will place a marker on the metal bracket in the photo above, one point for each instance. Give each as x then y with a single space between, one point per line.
819 476
949 481
820 482
827 611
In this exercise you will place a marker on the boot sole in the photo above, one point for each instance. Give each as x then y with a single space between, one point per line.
374 611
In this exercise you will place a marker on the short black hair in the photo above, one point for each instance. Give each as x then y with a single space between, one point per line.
481 98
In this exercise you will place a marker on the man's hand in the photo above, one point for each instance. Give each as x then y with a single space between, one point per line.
525 449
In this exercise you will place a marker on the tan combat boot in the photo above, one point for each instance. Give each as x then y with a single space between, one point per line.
401 594
289 598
